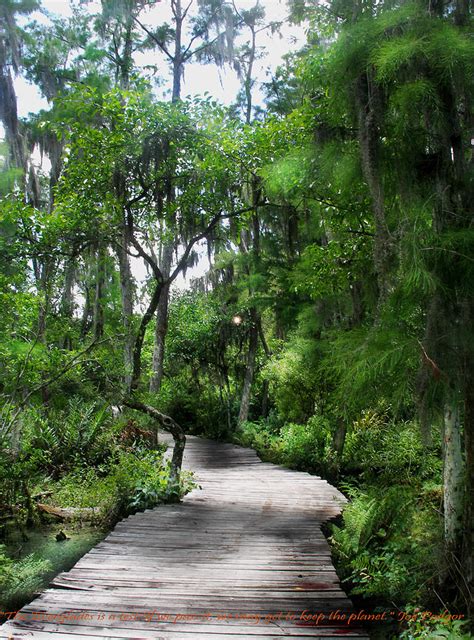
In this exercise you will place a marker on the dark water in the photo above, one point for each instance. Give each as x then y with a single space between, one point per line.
41 545
62 555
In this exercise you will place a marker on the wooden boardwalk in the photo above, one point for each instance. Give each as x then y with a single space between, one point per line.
243 557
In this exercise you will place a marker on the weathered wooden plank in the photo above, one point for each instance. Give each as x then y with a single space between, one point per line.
317 583
103 634
128 626
140 602
213 629
246 546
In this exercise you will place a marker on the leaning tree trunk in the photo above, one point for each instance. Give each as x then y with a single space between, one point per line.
170 425
161 327
140 336
43 285
67 297
265 394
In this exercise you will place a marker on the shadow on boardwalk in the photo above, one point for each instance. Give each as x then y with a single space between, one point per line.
243 557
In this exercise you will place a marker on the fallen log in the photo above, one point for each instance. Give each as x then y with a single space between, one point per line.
69 513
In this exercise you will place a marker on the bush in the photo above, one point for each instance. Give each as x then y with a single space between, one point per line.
441 627
377 446
20 580
300 446
198 410
390 544
59 439
307 447
16 476
259 436
293 377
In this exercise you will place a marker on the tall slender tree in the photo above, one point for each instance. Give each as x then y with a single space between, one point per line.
203 33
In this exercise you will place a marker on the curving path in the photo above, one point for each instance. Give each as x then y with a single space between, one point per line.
242 558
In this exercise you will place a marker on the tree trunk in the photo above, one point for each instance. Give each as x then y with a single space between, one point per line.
266 383
127 295
467 552
98 313
86 312
138 344
9 114
43 287
161 327
67 301
178 61
339 438
368 103
67 298
452 478
357 303
248 77
264 408
249 372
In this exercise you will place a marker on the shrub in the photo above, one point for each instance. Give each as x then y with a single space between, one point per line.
293 377
307 447
300 446
441 627
62 438
259 436
390 544
20 580
376 446
16 476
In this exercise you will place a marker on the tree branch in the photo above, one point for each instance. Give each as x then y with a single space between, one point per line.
215 220
155 39
140 250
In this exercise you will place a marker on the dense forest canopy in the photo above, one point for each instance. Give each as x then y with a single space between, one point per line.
333 328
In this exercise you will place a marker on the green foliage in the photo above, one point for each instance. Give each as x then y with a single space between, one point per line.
378 361
379 448
133 481
20 579
194 323
188 145
338 228
306 447
80 434
444 626
390 544
263 439
323 271
292 373
16 479
199 409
